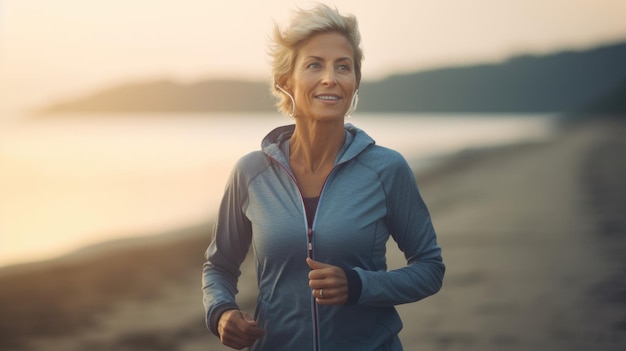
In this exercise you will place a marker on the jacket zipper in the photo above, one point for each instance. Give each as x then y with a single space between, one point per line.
309 252
309 242
315 319
310 247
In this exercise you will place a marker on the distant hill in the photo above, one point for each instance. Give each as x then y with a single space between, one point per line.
560 82
612 104
563 81
163 95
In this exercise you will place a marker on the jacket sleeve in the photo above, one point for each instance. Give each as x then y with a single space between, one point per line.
228 249
410 225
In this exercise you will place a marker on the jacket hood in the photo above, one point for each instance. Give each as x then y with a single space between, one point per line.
274 144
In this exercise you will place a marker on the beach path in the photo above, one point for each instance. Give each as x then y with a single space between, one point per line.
530 263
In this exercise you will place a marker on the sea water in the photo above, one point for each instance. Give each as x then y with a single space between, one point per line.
71 181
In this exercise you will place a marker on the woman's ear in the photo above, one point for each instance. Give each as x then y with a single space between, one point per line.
283 82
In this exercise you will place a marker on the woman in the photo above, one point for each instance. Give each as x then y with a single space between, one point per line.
318 204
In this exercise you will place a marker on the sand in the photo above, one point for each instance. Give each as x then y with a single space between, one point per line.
532 235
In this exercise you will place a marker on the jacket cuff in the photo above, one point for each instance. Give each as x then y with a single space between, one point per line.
214 319
354 286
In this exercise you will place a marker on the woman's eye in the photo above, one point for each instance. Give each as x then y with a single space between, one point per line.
344 67
313 65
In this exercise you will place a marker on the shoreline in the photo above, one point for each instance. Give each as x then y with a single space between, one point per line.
423 168
532 236
524 237
76 198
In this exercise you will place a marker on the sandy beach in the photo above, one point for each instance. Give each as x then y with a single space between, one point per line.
533 238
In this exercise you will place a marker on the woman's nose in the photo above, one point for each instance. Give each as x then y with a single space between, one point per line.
329 77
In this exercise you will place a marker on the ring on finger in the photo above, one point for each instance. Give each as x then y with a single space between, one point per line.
321 293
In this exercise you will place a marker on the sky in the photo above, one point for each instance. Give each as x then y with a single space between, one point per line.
57 50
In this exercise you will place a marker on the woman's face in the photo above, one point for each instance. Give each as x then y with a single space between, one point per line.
323 80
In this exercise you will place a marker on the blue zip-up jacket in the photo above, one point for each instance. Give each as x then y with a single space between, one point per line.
370 194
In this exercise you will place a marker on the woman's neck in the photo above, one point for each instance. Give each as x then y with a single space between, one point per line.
314 146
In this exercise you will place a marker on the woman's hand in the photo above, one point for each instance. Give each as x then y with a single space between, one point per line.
329 283
238 330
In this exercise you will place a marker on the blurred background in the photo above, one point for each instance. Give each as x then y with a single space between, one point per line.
120 121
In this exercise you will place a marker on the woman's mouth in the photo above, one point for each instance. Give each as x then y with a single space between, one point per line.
327 97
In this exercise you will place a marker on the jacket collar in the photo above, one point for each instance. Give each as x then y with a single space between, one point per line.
276 143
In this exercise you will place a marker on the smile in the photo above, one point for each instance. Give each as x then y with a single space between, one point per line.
327 97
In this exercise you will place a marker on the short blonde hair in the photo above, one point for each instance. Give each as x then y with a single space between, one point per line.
305 24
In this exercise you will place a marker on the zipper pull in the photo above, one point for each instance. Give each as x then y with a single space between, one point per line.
310 243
